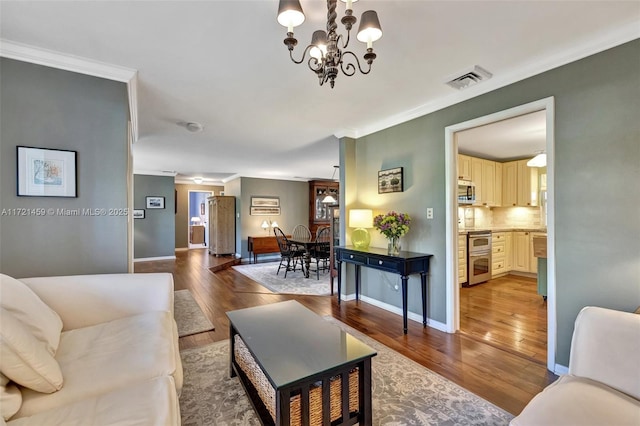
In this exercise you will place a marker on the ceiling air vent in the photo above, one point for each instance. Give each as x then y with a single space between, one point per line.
468 77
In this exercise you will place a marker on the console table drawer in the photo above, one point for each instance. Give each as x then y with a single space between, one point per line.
384 264
353 258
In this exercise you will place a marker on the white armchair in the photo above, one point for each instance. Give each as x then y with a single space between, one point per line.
603 384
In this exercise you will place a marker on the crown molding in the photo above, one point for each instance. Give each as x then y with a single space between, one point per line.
154 173
597 44
49 58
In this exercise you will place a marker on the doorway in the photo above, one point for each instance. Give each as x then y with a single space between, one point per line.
198 226
451 151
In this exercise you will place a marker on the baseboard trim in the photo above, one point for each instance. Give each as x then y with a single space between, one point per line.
150 259
396 310
560 369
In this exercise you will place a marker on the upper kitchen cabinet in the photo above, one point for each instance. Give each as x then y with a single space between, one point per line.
464 167
488 185
519 184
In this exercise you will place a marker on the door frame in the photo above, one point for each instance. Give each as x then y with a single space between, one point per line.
206 215
451 163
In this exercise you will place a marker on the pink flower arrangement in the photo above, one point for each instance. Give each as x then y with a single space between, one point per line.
392 224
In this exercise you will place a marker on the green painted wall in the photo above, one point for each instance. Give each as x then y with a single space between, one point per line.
154 236
294 205
597 190
51 108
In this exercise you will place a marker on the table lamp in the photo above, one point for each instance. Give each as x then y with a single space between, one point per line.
360 219
195 220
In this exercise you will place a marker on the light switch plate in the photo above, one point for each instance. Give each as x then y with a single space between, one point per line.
429 213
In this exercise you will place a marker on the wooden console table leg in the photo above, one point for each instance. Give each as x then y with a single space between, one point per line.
357 282
423 278
339 281
405 280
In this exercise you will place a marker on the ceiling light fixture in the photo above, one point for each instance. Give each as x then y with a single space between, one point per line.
539 160
325 51
191 126
198 180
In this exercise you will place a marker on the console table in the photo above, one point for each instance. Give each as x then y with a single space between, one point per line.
262 245
405 263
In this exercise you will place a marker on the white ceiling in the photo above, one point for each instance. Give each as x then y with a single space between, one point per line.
223 64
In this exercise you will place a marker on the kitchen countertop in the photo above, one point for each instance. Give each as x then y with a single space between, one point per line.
502 229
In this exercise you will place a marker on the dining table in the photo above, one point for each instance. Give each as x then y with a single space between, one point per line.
308 244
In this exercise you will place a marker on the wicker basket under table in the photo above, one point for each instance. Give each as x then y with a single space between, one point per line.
268 395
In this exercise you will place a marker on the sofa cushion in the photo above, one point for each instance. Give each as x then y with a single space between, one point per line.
152 402
101 358
30 310
573 400
10 398
25 359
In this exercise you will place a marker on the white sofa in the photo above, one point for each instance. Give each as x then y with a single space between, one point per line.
603 384
89 350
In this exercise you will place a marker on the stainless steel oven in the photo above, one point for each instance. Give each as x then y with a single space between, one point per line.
479 256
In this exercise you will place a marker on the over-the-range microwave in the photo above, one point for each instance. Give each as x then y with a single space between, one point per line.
466 192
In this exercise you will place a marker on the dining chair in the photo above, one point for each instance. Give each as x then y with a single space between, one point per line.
288 253
321 251
300 232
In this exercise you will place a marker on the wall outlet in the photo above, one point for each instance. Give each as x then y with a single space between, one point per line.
430 213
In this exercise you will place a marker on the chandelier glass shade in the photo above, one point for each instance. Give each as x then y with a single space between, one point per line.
327 54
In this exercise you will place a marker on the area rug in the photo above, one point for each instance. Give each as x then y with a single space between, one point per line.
188 315
295 283
404 392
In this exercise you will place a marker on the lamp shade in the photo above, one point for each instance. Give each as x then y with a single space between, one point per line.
290 14
370 29
195 219
265 224
539 160
319 43
274 224
361 218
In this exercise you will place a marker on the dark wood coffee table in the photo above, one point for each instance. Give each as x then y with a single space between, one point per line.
300 354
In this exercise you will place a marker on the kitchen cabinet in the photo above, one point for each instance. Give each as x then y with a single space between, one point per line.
488 186
464 167
508 251
510 184
527 184
522 249
462 258
498 254
476 178
519 184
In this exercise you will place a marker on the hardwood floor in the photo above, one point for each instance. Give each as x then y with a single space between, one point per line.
508 313
505 378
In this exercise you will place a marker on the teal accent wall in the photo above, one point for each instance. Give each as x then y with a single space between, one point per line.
597 190
50 108
155 235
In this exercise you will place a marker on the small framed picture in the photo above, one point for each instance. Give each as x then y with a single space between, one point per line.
265 202
390 181
155 202
44 172
138 213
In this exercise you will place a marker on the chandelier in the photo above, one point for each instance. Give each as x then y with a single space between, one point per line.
327 54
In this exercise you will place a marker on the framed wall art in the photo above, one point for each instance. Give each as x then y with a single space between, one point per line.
44 172
265 202
265 211
138 213
390 180
155 202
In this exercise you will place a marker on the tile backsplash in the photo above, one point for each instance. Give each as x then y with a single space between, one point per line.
512 217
